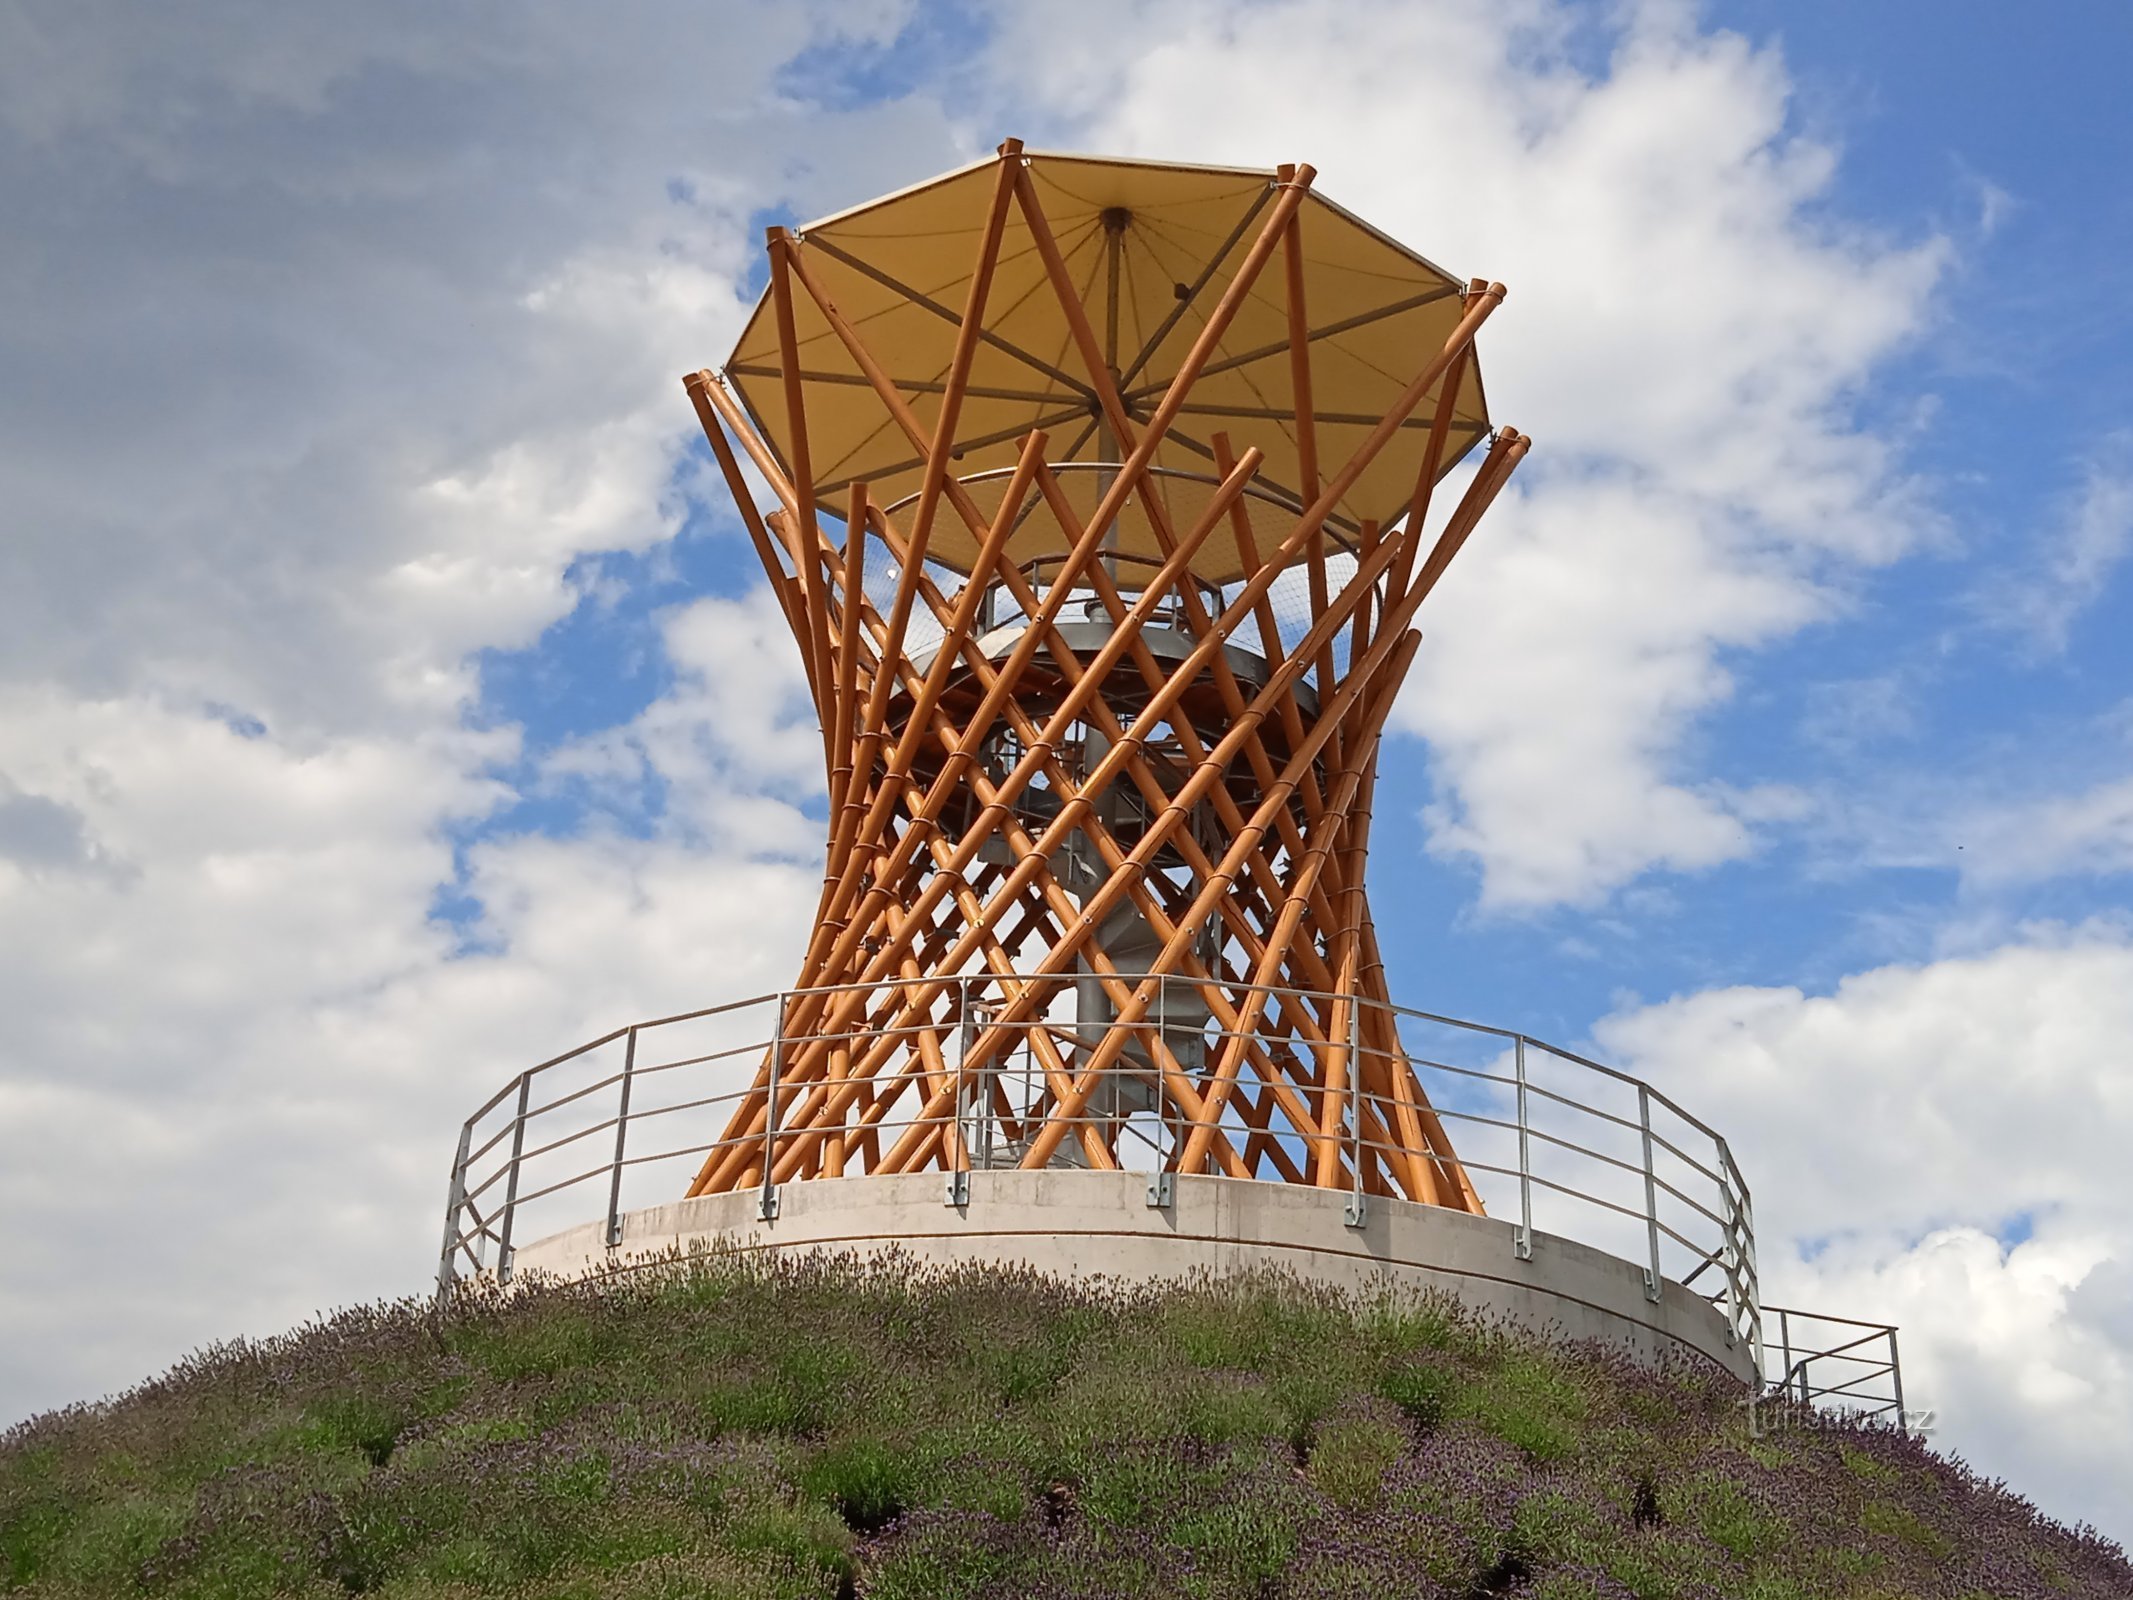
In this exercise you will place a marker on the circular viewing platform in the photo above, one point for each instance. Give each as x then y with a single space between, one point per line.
1124 1227
1580 1198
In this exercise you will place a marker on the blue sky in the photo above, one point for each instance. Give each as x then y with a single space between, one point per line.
1989 132
387 697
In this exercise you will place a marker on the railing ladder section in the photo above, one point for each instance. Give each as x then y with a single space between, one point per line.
1863 1363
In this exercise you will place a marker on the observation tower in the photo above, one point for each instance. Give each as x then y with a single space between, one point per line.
1103 498
1101 494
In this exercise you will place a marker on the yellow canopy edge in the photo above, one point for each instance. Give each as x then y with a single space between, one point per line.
1150 249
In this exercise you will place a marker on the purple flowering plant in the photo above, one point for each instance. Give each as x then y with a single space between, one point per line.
757 1429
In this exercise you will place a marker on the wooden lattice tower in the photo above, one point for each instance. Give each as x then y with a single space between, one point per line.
1132 542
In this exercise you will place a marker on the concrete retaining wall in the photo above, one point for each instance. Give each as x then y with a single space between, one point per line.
1099 1224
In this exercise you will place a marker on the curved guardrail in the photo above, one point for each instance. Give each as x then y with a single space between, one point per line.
1551 1139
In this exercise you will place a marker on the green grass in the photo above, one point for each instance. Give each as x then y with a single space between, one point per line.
771 1431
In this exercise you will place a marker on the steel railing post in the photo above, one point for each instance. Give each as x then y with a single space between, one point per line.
448 1261
984 1108
958 1188
622 1123
1651 1193
1162 1183
1355 1105
981 1118
1752 1296
1523 1240
518 1145
1729 1254
767 1204
1903 1417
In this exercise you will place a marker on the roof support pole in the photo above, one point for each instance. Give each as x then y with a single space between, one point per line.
806 528
951 408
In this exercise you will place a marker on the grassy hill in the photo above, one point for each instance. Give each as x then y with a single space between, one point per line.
786 1429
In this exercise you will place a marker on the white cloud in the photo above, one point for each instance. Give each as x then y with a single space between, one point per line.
1896 1131
233 1069
1561 792
352 331
2078 556
1994 205
2052 809
2090 831
2013 1350
176 1114
349 334
731 748
1687 329
1847 715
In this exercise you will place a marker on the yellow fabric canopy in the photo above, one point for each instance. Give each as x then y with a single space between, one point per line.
1150 249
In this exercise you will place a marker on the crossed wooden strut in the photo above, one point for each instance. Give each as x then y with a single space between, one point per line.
1110 729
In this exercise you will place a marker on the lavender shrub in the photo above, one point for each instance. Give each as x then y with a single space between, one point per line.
778 1429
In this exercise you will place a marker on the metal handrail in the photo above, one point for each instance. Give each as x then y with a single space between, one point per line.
1544 1141
1802 1355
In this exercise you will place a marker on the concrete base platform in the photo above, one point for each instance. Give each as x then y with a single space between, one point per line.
1100 1225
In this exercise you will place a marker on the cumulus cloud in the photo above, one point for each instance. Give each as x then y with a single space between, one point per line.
176 1111
39 834
1939 1145
1565 794
233 1068
1687 330
352 332
350 336
728 754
